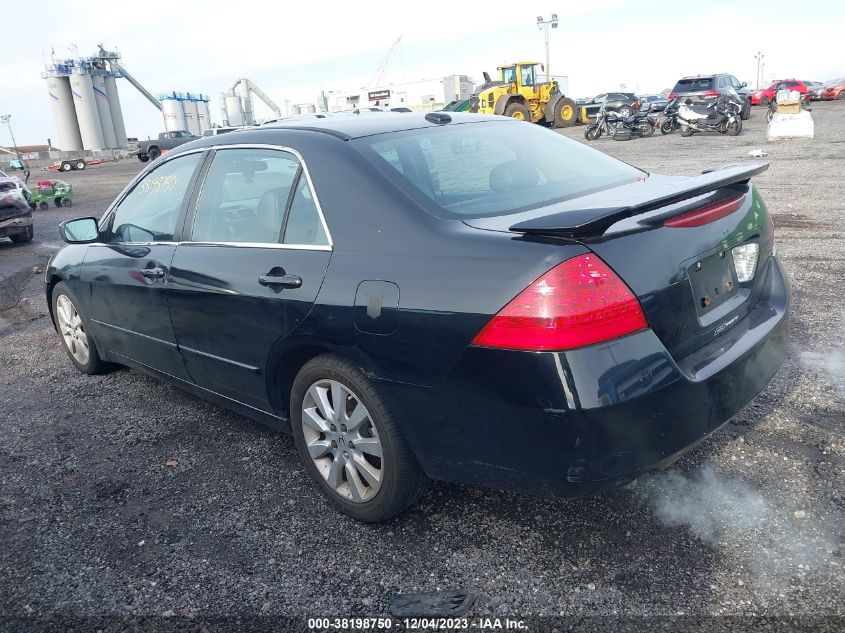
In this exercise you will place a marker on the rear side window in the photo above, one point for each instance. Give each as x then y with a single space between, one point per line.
250 194
693 85
488 169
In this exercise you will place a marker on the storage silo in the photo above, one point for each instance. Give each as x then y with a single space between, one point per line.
191 123
235 110
116 112
173 112
101 98
203 114
86 110
64 113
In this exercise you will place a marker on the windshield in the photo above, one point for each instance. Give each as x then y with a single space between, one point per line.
491 168
694 85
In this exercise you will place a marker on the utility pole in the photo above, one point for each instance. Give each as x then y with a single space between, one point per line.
759 57
6 119
544 24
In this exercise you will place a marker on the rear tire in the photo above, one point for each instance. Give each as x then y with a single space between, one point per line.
566 114
734 127
153 153
625 111
745 113
764 101
646 129
841 94
517 111
57 202
686 131
329 443
67 323
66 166
143 158
43 205
80 165
67 202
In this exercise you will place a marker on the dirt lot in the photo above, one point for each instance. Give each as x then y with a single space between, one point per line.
93 520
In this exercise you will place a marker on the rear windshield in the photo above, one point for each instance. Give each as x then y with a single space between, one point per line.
693 85
492 168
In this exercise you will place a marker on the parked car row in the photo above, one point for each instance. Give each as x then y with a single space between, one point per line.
813 90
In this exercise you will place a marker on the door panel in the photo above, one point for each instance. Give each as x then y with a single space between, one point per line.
129 307
127 275
227 321
257 257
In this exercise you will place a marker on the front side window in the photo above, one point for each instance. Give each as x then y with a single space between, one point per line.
527 75
599 99
150 211
509 74
489 169
257 196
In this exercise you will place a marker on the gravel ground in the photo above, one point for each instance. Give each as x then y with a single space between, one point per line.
120 495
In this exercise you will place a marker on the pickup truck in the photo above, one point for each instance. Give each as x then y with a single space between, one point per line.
150 150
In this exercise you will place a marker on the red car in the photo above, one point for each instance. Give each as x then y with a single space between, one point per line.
834 90
765 96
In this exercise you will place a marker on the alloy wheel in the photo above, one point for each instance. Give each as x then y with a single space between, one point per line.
342 440
70 326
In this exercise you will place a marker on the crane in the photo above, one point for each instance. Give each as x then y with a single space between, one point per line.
381 73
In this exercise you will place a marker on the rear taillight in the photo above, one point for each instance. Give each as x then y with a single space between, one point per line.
636 105
710 93
578 302
705 215
673 95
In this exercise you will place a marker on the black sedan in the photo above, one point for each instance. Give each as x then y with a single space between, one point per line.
448 296
625 103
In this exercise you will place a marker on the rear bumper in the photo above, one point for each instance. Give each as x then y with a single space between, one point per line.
13 226
574 423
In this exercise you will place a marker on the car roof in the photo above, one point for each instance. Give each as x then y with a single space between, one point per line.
356 126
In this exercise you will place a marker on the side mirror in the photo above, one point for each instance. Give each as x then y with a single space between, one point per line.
543 68
744 84
80 231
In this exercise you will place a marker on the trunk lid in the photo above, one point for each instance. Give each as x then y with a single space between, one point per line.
683 275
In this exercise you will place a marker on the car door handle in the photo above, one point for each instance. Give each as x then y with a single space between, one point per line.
282 281
153 273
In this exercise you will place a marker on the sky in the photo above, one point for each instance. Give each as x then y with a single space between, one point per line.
292 50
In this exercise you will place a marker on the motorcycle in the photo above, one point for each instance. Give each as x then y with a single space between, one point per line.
670 113
615 125
721 115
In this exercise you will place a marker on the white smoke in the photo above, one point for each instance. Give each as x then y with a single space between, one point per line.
775 544
831 364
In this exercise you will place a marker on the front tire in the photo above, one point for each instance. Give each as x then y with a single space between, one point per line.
593 132
72 327
349 442
667 127
646 129
518 111
66 166
566 114
745 113
764 101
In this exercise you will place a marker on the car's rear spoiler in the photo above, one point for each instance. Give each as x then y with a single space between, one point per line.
584 221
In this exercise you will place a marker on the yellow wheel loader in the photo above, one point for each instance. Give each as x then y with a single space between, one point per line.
521 94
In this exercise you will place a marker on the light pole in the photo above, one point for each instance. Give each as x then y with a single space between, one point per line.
544 24
759 57
6 119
